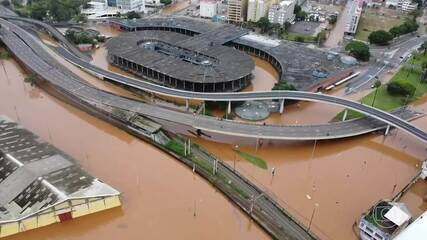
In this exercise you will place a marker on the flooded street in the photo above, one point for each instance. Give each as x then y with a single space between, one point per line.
176 6
160 196
333 181
343 177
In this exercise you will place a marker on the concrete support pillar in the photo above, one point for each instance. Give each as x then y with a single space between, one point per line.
229 107
282 105
387 130
204 108
344 117
257 144
189 146
187 104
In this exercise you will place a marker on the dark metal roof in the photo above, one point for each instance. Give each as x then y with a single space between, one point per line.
35 175
226 64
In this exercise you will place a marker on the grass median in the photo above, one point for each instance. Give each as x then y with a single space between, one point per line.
387 102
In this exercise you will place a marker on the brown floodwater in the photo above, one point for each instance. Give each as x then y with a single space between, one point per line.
343 178
160 195
178 6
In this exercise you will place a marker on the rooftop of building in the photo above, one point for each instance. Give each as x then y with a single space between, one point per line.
200 59
35 175
298 60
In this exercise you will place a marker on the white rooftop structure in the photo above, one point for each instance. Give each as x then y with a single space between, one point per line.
102 9
416 230
397 216
260 39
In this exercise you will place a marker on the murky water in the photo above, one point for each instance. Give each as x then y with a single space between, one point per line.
344 178
160 196
178 6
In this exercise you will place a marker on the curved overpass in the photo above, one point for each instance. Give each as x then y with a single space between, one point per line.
244 96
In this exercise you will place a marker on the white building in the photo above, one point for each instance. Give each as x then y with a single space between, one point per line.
153 3
257 9
131 5
403 5
416 230
409 6
208 8
282 12
109 8
353 17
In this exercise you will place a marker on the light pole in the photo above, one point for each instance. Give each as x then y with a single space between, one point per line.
236 148
312 216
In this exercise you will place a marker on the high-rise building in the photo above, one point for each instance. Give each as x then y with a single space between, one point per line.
131 5
282 12
99 9
353 17
208 8
237 10
257 9
112 3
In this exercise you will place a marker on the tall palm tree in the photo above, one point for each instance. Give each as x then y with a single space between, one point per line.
377 84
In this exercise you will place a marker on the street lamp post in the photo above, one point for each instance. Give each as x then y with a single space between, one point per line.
312 216
236 148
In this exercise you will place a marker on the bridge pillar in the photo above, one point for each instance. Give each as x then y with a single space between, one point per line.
204 107
387 130
257 144
344 117
229 107
187 105
282 105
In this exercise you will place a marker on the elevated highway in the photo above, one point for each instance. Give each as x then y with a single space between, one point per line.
328 131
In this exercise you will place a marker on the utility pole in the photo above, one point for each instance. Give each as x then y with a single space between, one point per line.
312 216
314 148
236 148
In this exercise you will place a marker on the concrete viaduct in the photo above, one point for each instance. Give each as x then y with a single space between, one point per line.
383 116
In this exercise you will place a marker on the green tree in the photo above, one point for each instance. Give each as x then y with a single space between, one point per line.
380 37
321 37
38 10
395 31
166 2
333 19
377 84
297 9
301 15
401 87
284 85
408 26
80 18
132 15
359 50
56 10
424 48
264 24
299 39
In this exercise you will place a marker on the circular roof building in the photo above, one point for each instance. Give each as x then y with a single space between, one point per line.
193 63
